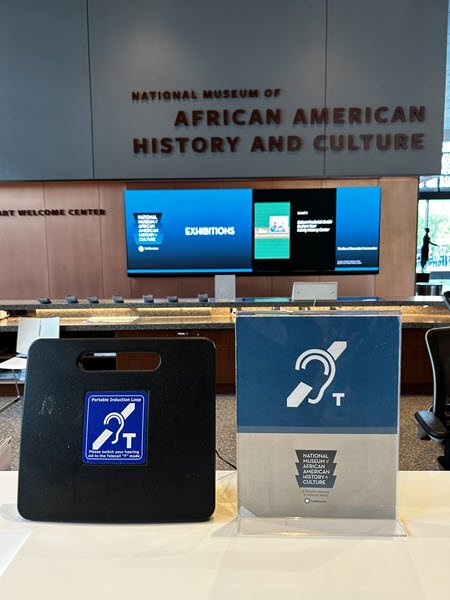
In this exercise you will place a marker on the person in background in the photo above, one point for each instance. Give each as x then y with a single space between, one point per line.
425 251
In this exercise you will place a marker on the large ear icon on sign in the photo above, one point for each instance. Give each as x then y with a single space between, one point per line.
119 417
328 359
329 368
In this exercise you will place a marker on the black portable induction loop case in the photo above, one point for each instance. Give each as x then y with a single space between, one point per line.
118 445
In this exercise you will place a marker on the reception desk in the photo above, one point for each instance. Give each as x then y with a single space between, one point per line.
216 321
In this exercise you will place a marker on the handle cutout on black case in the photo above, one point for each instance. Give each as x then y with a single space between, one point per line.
120 361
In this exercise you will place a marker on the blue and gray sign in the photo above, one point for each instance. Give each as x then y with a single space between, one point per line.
317 414
115 428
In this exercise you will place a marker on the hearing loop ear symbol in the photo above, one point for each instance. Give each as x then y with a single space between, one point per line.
119 417
329 368
328 359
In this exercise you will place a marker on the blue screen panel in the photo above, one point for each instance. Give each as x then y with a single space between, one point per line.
189 231
357 229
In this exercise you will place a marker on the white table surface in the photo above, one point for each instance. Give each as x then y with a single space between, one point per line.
55 561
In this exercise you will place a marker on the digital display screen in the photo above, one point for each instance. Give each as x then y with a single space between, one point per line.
272 230
189 231
248 231
357 229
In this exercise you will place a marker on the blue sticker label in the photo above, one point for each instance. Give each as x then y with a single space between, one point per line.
115 428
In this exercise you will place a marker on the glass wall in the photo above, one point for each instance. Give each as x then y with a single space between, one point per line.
434 205
434 214
441 182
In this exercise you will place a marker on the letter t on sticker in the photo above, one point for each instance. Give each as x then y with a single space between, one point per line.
129 437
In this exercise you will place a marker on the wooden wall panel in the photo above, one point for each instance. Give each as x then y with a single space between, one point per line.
56 255
287 184
232 184
112 227
417 374
282 284
23 244
256 285
350 285
160 287
150 185
353 285
184 287
397 237
190 287
257 184
74 248
335 183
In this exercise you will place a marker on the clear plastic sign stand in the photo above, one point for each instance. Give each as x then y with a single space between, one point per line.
318 423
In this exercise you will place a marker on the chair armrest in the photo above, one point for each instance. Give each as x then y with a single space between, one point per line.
446 299
432 426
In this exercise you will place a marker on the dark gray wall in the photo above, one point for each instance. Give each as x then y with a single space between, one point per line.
66 109
45 115
176 45
396 55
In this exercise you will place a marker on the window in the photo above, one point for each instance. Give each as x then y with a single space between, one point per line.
434 213
441 182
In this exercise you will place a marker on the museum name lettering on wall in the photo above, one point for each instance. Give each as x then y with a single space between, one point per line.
52 212
185 121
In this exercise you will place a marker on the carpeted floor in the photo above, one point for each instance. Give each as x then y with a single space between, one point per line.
415 455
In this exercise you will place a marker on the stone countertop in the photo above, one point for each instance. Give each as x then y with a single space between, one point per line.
134 323
425 322
412 317
137 303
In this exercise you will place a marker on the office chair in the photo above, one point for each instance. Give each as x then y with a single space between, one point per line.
5 454
446 299
435 422
29 330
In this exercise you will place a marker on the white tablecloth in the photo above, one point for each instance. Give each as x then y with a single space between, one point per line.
54 561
